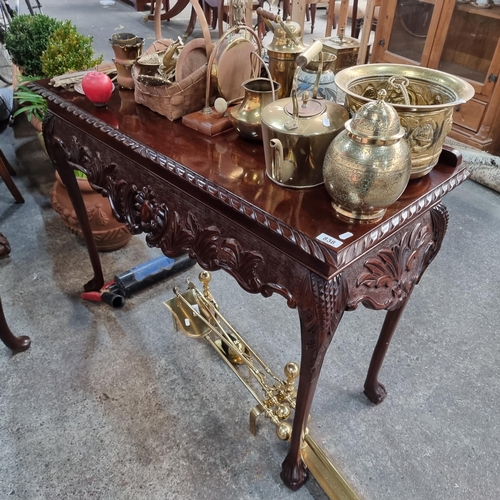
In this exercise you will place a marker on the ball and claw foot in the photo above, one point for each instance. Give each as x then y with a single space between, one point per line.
20 344
375 393
293 473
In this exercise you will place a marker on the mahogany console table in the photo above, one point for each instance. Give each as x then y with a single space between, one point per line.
210 197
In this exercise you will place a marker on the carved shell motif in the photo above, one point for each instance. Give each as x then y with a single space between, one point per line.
397 268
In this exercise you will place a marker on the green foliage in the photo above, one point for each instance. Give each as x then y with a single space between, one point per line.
27 38
80 174
68 50
31 103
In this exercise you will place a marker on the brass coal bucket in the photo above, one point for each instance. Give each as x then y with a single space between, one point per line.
424 99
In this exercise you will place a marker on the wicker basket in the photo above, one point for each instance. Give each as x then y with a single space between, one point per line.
175 100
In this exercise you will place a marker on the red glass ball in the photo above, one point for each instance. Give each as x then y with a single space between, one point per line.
98 87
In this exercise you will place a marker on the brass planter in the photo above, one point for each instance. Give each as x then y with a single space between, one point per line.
427 118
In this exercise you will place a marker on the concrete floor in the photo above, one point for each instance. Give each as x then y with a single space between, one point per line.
114 404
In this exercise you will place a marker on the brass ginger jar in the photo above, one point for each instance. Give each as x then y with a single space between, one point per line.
367 166
423 97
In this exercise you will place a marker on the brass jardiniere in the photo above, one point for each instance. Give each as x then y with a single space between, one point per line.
424 99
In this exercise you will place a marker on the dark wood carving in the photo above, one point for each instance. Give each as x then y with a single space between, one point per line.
309 246
396 269
321 307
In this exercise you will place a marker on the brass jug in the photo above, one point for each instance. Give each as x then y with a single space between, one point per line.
282 51
367 166
259 92
296 136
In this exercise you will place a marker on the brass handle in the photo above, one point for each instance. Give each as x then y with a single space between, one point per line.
309 54
303 60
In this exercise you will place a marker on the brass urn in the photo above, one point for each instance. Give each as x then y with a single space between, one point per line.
367 166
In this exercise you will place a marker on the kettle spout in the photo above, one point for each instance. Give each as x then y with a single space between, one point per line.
282 170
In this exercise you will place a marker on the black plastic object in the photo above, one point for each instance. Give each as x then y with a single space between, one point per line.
149 273
113 299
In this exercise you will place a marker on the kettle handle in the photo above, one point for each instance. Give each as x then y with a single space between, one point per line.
309 54
302 61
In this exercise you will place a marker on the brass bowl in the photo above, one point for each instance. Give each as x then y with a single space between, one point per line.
328 60
149 64
427 119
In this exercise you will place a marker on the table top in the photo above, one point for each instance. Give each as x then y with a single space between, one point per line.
227 173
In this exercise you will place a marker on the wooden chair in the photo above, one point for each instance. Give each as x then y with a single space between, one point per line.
139 5
14 343
311 8
355 10
222 10
369 23
6 171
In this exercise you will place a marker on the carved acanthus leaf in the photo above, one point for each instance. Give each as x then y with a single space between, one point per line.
396 269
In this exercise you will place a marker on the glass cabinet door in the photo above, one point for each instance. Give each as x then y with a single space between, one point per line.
471 42
410 29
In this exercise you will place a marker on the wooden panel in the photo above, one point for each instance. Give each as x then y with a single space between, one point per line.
470 114
383 31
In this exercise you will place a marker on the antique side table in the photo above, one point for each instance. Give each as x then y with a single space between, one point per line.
210 197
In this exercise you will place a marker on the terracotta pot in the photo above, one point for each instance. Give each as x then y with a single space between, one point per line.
36 123
109 234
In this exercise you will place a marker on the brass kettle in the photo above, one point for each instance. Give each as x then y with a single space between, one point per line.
296 136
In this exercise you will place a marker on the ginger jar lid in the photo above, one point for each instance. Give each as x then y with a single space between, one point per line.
376 121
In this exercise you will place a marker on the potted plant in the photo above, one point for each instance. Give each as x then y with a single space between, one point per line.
32 104
63 50
68 50
109 234
27 38
44 47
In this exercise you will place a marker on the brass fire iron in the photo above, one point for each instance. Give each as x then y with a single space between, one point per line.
196 314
